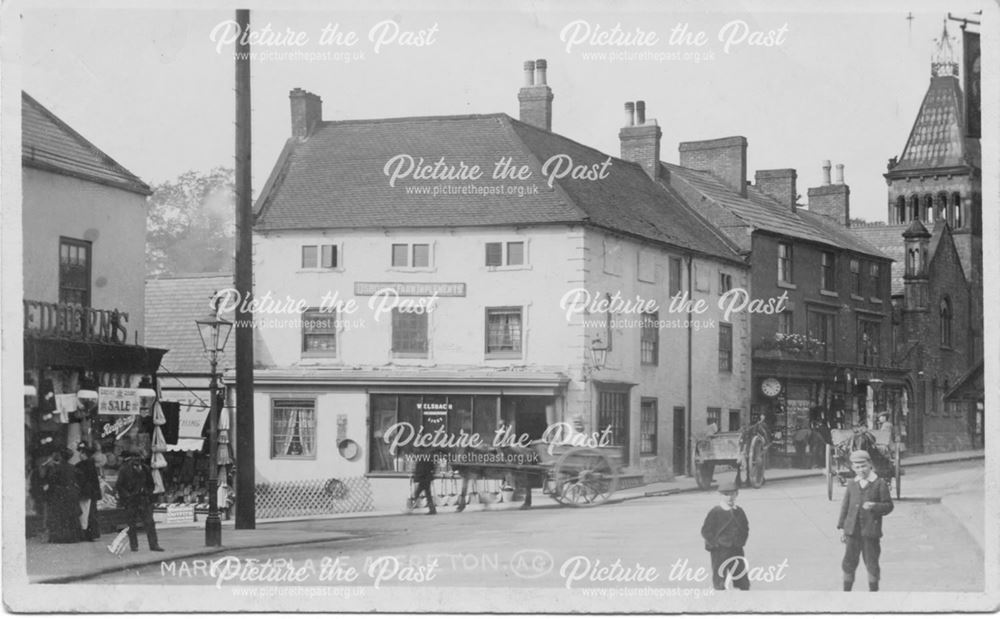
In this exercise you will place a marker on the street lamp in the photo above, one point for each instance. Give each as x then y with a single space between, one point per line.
598 353
214 331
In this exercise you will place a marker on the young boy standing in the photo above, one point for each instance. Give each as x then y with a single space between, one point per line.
726 530
866 501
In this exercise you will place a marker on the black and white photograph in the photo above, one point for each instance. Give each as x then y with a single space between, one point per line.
520 307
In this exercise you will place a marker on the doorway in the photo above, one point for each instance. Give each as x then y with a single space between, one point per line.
680 441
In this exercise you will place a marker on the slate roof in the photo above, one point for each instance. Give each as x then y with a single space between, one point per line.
49 144
172 306
335 179
889 240
760 211
937 139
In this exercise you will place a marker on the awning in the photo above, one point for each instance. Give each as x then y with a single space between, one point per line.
193 416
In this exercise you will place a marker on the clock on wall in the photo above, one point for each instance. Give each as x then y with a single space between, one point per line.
770 387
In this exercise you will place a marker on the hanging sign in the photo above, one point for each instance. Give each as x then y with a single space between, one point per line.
117 401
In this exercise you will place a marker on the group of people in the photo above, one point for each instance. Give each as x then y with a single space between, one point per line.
726 529
71 493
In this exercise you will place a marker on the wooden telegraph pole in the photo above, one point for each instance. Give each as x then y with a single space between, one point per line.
246 516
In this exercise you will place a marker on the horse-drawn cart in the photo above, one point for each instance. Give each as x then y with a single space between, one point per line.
879 444
745 450
574 476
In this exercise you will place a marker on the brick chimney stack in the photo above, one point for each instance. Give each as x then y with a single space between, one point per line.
779 184
832 200
307 111
725 158
535 96
640 139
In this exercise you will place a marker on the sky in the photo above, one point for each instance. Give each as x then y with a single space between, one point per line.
843 82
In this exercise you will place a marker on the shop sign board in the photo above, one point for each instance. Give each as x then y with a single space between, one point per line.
117 401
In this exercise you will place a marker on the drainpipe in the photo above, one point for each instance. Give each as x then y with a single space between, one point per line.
690 372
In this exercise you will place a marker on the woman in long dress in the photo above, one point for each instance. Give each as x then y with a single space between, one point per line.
63 500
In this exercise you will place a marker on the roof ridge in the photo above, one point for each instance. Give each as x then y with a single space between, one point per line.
108 159
397 119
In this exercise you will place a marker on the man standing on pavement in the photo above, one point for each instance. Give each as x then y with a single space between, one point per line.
135 494
867 499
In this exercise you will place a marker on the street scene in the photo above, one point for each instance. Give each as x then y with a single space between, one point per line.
531 308
552 549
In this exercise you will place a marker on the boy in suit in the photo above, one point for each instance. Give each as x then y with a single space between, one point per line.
726 531
867 499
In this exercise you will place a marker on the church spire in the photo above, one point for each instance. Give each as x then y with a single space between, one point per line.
943 63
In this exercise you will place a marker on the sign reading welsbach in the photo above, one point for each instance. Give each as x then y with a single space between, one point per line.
412 289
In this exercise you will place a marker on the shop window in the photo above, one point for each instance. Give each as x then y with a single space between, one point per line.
647 428
613 412
320 256
319 333
649 344
869 333
503 331
725 347
828 272
293 429
785 263
411 255
409 334
505 254
471 414
945 315
676 276
74 272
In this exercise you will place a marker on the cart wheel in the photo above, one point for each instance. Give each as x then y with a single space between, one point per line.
584 478
756 464
703 474
829 472
899 473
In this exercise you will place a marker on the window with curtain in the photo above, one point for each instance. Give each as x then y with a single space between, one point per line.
293 428
503 331
827 272
785 263
319 333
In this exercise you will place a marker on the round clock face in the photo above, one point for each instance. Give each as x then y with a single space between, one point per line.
770 387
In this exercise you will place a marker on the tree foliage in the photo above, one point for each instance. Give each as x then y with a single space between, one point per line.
191 224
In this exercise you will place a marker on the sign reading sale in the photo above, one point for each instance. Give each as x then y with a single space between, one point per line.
117 401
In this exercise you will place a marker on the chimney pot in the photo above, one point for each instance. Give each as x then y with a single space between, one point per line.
529 72
840 174
826 171
640 112
540 67
629 114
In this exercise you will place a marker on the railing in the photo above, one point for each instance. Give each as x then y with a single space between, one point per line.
75 322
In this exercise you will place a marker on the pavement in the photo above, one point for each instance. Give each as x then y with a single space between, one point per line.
47 563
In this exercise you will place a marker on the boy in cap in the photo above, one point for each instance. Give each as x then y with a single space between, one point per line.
867 499
725 531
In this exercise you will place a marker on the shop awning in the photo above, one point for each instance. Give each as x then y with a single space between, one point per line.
192 422
64 353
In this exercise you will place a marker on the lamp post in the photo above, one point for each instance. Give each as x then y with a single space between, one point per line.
214 331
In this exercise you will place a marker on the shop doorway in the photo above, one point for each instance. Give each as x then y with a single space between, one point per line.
529 415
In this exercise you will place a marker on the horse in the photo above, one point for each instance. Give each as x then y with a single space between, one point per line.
474 465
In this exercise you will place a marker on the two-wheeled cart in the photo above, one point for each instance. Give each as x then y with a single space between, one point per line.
745 449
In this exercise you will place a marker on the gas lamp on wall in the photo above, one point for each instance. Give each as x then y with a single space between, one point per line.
599 353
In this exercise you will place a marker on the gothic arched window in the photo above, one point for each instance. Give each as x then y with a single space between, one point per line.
900 210
941 209
956 208
914 208
927 211
945 316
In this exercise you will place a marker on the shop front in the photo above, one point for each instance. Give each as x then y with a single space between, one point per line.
347 440
83 386
807 397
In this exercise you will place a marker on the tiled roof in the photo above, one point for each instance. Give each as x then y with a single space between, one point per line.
760 211
889 240
937 139
172 306
49 144
335 179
